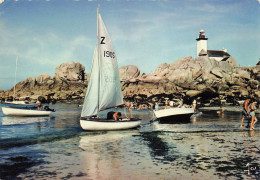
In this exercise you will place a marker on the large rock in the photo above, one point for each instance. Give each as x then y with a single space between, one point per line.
42 79
217 72
150 78
128 72
2 93
239 73
29 83
162 70
70 71
193 93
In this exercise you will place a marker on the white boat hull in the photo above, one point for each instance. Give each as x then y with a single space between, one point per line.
174 112
95 125
24 112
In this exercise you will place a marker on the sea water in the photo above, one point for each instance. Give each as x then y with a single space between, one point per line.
210 146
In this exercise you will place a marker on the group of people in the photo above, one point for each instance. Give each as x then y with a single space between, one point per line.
181 105
249 108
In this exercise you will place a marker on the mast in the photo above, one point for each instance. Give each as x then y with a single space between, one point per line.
98 54
15 77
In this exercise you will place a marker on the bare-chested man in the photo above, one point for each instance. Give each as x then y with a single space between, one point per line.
245 111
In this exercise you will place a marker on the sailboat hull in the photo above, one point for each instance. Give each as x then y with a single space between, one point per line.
24 112
107 125
21 104
174 114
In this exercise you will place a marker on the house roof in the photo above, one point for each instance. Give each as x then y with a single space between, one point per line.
203 52
217 53
258 63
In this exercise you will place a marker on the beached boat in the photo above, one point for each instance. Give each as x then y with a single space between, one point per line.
104 90
10 111
20 104
174 114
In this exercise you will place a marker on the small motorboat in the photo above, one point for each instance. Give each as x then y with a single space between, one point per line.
174 114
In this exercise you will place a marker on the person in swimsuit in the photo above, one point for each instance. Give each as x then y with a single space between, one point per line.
156 106
194 104
245 111
117 116
252 108
114 115
39 105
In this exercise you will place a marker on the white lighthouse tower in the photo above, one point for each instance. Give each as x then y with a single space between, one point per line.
201 42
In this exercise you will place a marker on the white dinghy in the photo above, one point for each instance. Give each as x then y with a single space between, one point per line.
104 90
10 111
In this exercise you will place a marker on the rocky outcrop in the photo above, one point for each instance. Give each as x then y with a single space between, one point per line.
68 83
128 72
69 71
202 78
44 79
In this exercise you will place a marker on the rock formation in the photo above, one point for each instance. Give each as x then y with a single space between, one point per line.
201 78
68 83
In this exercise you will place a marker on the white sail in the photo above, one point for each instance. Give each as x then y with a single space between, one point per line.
104 90
110 89
90 106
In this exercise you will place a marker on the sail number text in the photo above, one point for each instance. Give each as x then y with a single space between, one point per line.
109 54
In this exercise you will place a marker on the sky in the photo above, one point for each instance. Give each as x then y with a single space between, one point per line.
43 34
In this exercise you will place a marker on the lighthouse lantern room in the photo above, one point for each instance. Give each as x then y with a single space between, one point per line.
201 42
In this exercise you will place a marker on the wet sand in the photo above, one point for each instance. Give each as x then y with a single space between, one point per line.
211 146
155 155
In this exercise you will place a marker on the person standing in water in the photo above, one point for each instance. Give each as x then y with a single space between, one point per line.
252 108
156 106
245 111
194 104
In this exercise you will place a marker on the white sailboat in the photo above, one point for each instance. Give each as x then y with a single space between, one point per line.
18 104
21 108
10 111
104 90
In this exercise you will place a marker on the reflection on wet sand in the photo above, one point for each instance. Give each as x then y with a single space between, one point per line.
12 120
103 154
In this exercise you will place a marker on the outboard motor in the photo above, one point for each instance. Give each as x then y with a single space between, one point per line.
46 108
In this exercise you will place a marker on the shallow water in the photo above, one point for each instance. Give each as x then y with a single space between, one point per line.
210 146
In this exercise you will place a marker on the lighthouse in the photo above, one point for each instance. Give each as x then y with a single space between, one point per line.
201 42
